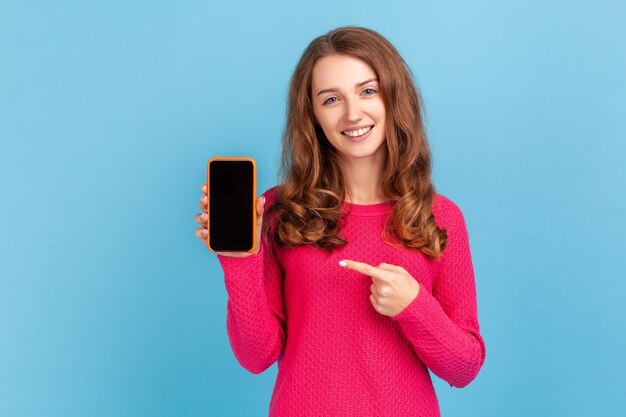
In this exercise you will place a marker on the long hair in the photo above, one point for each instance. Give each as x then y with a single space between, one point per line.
307 208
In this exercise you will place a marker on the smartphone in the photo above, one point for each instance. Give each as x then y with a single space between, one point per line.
231 194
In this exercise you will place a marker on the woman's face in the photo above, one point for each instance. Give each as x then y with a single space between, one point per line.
346 103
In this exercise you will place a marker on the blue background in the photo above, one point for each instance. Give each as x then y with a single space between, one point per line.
109 304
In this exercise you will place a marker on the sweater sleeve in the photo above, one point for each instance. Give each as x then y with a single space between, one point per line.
255 320
443 326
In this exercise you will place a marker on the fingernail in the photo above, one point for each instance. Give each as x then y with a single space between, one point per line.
204 215
204 232
343 263
263 200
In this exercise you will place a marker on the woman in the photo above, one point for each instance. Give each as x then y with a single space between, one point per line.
363 278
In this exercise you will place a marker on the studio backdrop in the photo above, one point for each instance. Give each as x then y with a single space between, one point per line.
109 112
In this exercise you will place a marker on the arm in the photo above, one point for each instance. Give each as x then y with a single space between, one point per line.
443 326
255 320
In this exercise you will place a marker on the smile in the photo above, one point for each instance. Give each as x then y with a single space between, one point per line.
359 135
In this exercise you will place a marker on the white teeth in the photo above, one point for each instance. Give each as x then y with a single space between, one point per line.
355 133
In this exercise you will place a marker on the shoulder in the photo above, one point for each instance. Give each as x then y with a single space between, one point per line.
270 195
446 211
269 218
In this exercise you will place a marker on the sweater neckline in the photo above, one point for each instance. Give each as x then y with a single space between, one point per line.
367 209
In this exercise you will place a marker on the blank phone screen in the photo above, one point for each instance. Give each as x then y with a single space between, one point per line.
231 203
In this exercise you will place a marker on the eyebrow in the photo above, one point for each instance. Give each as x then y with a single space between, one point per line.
330 90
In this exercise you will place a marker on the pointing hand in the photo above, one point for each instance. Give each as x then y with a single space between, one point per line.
393 288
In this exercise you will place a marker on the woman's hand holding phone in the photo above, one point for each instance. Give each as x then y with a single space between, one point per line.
202 218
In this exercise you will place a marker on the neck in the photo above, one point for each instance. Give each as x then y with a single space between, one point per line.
363 179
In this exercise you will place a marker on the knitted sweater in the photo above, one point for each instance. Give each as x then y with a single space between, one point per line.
338 356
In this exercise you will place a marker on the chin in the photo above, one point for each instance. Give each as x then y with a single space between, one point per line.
361 155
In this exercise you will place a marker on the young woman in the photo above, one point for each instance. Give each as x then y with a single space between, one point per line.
363 279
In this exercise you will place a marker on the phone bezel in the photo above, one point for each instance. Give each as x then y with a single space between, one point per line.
254 191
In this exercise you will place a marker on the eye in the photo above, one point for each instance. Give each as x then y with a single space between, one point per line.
371 89
327 101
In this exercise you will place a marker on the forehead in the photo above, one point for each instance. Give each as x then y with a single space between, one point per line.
339 71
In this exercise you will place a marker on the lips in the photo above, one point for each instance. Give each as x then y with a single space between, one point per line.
353 128
361 138
363 130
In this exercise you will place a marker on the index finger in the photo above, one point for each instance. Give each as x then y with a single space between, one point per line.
361 267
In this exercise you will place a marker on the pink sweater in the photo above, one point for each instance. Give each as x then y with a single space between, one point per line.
337 356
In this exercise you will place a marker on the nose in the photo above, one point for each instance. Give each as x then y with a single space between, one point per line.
353 109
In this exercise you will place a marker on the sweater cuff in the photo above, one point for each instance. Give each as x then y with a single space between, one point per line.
242 274
420 307
230 260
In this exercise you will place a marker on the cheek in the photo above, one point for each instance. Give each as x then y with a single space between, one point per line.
329 130
333 140
378 108
329 124
331 118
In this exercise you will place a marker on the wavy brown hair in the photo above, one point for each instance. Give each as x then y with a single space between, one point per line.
307 207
